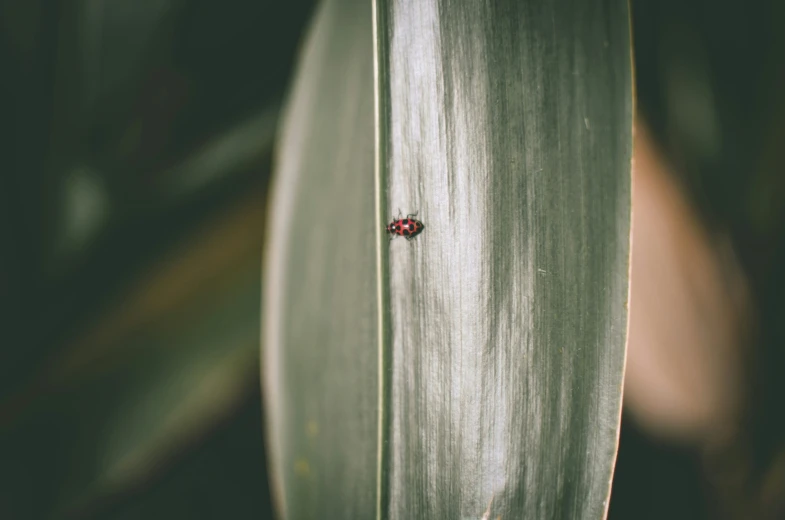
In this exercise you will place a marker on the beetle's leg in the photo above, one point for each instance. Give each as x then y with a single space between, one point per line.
410 215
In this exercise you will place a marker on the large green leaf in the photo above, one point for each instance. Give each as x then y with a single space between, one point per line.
475 371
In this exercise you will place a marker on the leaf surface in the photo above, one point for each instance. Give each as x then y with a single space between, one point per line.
477 369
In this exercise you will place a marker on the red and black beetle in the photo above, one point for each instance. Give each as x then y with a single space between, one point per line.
408 227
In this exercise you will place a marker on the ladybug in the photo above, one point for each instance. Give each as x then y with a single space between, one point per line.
408 227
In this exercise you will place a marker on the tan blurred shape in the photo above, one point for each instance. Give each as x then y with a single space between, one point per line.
688 310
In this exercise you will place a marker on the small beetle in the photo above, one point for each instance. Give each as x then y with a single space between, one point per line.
407 227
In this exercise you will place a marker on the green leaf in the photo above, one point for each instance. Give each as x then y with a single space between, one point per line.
475 371
320 303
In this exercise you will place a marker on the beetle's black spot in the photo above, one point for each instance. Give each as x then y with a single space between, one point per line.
398 227
405 232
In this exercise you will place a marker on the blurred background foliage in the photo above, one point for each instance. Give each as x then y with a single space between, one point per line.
136 155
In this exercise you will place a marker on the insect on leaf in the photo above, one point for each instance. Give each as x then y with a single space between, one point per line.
475 371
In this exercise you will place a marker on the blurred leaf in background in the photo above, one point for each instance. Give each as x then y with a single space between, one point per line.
134 120
133 194
704 371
